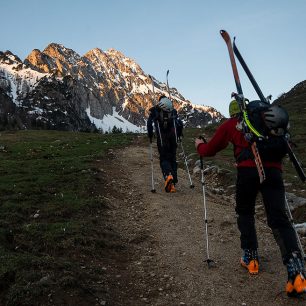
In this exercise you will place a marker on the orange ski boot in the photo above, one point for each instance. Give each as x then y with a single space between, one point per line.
172 190
296 284
250 261
168 183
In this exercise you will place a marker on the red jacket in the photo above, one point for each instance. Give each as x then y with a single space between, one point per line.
229 133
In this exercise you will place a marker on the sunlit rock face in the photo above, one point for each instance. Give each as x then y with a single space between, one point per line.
58 89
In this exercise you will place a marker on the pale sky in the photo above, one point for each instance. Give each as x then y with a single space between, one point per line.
179 35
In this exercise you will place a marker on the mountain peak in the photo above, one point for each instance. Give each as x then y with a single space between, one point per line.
56 46
61 53
55 58
96 50
95 53
40 61
115 52
9 58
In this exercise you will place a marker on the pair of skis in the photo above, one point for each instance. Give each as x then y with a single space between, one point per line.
248 128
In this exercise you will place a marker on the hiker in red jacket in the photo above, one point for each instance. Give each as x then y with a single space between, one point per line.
272 189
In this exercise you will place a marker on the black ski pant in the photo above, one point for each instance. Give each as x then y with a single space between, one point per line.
167 157
273 195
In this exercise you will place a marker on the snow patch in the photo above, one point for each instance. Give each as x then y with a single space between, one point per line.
109 121
142 89
19 80
125 104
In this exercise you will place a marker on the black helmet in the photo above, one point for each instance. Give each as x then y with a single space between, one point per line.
276 118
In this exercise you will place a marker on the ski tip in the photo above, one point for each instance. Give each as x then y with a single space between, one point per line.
225 35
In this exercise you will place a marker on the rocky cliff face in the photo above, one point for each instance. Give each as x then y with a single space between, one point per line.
58 89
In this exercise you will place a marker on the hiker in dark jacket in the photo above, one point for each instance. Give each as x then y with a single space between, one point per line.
272 189
168 129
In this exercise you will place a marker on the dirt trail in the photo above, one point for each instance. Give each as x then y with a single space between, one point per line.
165 250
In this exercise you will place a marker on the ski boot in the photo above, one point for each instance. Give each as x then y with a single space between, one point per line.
296 284
168 183
172 189
250 261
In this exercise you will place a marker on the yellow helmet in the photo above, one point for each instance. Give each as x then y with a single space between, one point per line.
233 108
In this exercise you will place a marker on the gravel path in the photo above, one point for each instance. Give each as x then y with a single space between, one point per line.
166 249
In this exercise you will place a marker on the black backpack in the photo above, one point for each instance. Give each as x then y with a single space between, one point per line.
165 119
272 146
255 111
268 119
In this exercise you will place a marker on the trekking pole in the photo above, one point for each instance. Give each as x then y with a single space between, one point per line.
152 169
209 261
293 225
186 164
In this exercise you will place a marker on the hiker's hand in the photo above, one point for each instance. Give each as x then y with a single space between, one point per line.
202 138
197 142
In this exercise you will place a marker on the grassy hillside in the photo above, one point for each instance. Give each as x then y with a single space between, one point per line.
48 212
295 103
